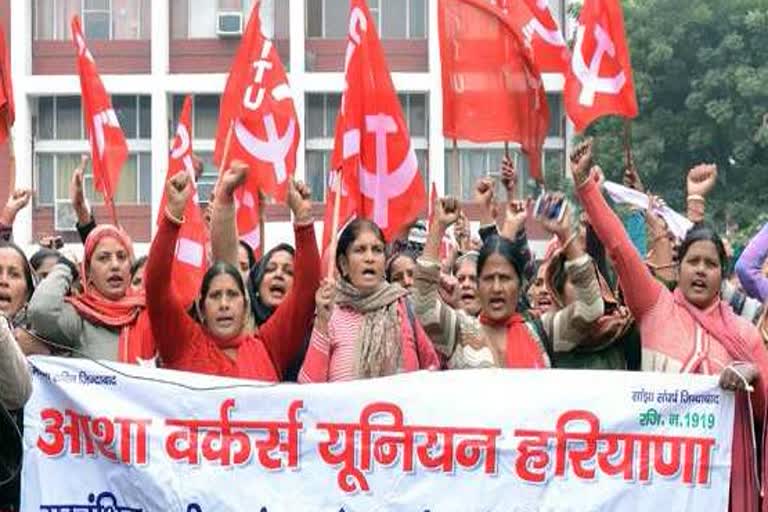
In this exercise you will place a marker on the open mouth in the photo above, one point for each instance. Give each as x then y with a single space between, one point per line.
699 285
497 302
115 281
225 321
369 272
277 291
5 300
467 297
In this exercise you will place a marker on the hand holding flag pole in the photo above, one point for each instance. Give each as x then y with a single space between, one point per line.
335 226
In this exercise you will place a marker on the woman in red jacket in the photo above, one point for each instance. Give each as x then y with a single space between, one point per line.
222 344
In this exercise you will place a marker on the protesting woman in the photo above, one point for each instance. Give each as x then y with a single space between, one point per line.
690 329
363 328
501 336
108 320
222 343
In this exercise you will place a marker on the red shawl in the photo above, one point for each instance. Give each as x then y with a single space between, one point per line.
523 350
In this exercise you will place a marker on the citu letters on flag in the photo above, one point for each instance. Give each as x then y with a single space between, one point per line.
492 86
108 147
7 108
372 146
258 107
599 79
191 258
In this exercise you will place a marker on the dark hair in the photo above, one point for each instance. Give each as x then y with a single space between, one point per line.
41 255
507 250
249 252
404 253
262 312
137 265
26 267
350 234
467 256
559 277
218 269
704 233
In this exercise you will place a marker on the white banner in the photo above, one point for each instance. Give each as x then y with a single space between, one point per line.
141 439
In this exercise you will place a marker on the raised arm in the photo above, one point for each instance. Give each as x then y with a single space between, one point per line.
50 315
569 326
317 362
440 321
640 288
85 221
170 322
700 182
749 268
15 379
284 333
223 221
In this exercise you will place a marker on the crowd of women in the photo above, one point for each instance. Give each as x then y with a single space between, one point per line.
615 291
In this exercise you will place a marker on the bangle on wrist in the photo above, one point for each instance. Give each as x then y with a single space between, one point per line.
696 197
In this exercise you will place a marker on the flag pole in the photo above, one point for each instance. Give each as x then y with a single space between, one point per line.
627 143
227 143
11 161
506 149
334 225
456 173
262 233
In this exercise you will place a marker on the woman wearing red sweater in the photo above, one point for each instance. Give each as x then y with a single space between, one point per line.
222 344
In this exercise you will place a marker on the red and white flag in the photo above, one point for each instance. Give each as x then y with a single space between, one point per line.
248 215
599 79
492 86
108 147
257 102
191 259
7 109
547 42
372 144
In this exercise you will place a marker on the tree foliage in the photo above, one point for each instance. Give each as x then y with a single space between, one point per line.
701 74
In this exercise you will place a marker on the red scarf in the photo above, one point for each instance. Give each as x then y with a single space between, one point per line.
724 328
127 314
523 350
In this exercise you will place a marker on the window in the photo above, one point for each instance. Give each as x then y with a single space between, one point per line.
61 140
396 19
320 125
205 118
101 19
556 114
477 162
196 19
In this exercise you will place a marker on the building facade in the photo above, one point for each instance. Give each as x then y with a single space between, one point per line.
151 54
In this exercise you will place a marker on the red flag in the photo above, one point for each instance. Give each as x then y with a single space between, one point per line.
548 45
372 142
248 217
492 87
257 98
7 109
108 148
599 79
190 263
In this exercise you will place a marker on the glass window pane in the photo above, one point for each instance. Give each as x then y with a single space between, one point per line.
314 15
96 25
555 103
417 19
179 19
68 118
126 19
65 168
333 104
422 156
145 20
44 19
125 108
336 19
206 116
316 171
202 19
417 117
145 178
45 179
97 4
45 118
314 120
145 117
394 19
127 189
208 179
282 20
